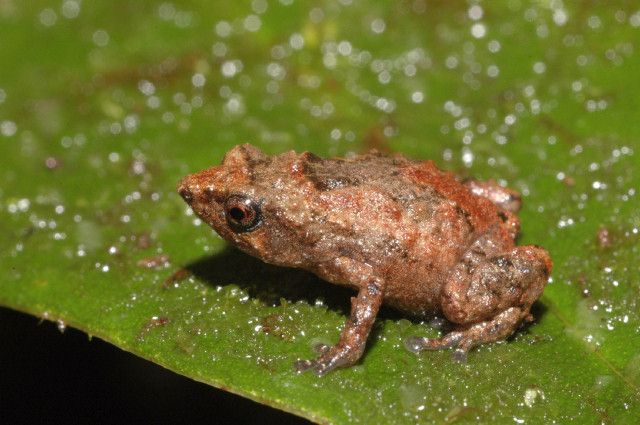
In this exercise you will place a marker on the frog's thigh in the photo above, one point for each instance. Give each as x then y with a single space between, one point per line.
515 279
489 300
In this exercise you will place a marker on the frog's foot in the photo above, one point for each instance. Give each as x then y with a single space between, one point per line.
415 344
329 359
497 329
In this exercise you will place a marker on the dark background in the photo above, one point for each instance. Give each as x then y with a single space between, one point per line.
49 376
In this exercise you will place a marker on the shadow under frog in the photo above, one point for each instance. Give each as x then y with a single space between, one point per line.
268 283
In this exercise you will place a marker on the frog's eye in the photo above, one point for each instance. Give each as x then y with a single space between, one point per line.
243 214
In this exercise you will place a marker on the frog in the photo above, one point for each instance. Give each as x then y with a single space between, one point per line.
398 231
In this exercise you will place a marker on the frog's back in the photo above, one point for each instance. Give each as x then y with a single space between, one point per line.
421 190
410 218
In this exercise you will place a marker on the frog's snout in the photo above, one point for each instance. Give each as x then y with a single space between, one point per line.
184 189
201 186
185 193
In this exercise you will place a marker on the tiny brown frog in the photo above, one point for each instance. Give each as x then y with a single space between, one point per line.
398 231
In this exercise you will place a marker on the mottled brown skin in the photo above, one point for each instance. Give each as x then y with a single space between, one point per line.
400 232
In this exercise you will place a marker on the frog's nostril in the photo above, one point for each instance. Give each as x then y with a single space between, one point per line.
186 194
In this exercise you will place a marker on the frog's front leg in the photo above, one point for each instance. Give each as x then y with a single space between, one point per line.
364 308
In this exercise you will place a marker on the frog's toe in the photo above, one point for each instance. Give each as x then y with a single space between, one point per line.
322 368
301 366
416 344
459 355
331 359
321 348
319 367
451 340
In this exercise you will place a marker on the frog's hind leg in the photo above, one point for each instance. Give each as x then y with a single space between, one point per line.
497 329
488 299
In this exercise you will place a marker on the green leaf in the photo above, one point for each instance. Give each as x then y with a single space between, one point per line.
105 105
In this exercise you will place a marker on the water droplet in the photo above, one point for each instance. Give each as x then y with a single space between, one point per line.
223 29
560 17
259 6
8 128
594 22
378 26
478 30
296 41
230 68
252 23
493 71
475 12
539 67
100 38
70 9
198 80
494 46
531 395
48 17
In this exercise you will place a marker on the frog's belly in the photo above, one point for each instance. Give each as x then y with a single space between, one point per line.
414 280
414 290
